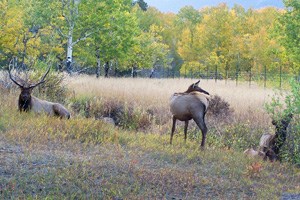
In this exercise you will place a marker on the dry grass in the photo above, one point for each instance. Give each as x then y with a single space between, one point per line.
158 91
247 102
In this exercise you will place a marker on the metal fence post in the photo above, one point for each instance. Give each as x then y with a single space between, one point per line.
237 74
250 77
265 77
216 73
280 73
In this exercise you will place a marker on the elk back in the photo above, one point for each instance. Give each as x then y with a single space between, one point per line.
181 104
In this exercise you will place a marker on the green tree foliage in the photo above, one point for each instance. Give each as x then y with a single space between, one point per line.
114 40
288 29
131 33
150 49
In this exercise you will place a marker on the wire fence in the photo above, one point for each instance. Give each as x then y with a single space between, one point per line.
265 78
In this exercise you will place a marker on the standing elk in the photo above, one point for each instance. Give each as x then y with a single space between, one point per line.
191 104
29 102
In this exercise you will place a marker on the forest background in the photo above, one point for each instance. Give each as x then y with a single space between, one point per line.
122 36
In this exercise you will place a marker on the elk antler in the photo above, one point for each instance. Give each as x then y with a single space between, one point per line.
12 77
22 86
42 79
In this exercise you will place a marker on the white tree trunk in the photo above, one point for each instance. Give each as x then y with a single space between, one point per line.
70 45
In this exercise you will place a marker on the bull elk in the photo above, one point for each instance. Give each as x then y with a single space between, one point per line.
29 102
191 104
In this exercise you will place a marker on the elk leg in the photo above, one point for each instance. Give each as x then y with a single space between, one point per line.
201 124
185 130
173 129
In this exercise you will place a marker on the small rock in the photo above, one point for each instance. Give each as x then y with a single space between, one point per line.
108 120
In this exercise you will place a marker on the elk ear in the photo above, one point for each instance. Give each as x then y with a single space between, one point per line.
196 84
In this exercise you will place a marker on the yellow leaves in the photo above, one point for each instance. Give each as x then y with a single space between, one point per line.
191 67
12 28
61 18
15 34
185 49
107 25
232 13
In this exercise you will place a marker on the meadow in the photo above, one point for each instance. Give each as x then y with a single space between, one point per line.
86 158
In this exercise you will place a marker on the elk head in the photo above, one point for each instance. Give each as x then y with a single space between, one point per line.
195 87
26 90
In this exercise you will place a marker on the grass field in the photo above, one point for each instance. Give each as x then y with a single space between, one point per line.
247 102
83 158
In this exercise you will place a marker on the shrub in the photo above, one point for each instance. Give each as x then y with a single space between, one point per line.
238 136
218 107
125 115
282 105
53 89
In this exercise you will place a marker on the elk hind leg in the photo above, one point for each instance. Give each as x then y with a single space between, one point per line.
185 130
201 124
60 111
173 129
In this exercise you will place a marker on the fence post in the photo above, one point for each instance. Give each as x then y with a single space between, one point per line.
207 72
280 73
237 74
226 78
250 77
216 73
237 69
199 71
265 77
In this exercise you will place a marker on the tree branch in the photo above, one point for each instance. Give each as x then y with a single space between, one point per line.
86 35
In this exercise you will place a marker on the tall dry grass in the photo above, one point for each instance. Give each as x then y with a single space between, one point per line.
246 101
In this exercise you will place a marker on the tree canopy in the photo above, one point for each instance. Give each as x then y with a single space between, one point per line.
88 33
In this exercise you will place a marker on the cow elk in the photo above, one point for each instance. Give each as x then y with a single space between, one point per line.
29 102
191 104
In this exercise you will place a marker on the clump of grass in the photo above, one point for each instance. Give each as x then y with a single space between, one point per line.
129 116
54 89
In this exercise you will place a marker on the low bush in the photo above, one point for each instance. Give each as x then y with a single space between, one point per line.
53 89
125 115
220 108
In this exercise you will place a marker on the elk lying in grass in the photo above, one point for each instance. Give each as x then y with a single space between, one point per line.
270 144
253 153
191 104
29 102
